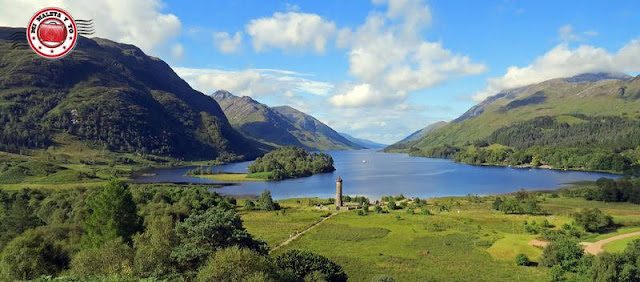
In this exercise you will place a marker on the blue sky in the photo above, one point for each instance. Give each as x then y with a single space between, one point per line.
377 69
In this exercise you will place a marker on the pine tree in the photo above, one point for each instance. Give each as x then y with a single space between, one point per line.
113 214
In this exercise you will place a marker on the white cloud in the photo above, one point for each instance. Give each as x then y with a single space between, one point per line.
356 96
177 51
591 33
291 31
253 82
566 34
563 61
141 23
227 44
390 59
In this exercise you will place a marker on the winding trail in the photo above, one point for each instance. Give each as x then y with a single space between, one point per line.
292 238
596 247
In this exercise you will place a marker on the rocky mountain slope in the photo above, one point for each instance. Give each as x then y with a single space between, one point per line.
280 126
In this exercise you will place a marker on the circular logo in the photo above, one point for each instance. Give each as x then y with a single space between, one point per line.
52 33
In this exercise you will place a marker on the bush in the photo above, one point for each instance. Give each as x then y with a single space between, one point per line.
556 274
303 263
265 202
153 248
45 250
249 205
202 234
112 257
391 205
236 264
563 252
593 220
522 260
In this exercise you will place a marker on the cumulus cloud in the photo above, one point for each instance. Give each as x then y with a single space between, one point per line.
390 59
226 43
291 31
563 61
253 82
141 23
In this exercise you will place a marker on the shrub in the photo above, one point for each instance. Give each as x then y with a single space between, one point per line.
41 251
593 220
202 234
249 205
236 264
556 274
391 205
522 260
265 202
303 263
112 257
563 252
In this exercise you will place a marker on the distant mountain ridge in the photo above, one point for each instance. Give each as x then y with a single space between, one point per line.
422 132
587 121
110 95
367 144
279 126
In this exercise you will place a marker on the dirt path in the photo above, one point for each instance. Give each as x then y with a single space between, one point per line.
301 233
596 247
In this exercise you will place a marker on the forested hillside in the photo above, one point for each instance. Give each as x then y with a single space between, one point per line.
589 122
111 96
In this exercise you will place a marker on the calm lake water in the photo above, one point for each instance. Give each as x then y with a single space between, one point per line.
389 174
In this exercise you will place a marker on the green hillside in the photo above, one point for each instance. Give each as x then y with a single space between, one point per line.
280 126
109 96
571 123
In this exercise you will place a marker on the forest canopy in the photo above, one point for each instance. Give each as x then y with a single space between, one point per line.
291 162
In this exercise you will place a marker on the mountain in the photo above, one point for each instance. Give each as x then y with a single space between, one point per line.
422 132
279 126
589 121
110 96
367 144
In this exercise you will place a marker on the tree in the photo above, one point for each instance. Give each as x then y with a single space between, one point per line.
112 257
563 252
17 216
153 248
45 250
249 205
303 263
265 202
522 260
592 220
113 214
238 264
556 274
202 234
497 203
611 267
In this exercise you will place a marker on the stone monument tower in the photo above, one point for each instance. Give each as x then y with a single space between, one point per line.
338 192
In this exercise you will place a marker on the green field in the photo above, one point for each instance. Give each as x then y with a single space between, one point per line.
471 242
619 245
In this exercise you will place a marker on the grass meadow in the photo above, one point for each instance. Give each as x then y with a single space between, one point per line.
470 242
